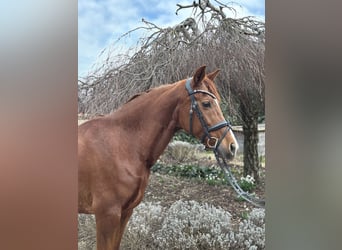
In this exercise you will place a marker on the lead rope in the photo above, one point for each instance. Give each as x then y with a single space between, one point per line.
221 162
232 181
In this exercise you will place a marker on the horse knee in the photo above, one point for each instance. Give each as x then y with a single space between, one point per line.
126 215
111 217
108 229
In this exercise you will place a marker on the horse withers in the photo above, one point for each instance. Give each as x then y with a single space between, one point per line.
116 151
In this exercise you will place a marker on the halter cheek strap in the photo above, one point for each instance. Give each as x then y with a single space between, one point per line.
212 142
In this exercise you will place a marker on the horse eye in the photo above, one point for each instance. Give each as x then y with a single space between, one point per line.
206 104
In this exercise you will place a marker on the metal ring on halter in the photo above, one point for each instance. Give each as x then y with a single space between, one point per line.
210 145
207 130
222 163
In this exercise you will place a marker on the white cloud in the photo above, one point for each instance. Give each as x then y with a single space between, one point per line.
101 22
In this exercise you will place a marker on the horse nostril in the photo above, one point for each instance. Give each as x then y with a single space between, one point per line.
232 148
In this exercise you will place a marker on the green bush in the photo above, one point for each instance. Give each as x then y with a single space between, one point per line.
212 175
247 183
181 135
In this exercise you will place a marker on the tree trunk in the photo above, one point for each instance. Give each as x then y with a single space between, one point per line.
250 149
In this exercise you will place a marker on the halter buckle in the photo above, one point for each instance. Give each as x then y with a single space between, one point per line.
212 142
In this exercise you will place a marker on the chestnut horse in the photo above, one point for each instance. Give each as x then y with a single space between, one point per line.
116 151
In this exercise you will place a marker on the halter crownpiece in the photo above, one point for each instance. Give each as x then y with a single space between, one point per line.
214 143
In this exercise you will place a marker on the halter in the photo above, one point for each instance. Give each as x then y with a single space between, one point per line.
212 142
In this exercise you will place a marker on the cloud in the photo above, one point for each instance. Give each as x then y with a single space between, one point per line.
101 22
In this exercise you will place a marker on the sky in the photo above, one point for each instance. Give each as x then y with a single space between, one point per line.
101 22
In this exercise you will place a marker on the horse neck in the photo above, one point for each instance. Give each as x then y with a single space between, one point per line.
152 120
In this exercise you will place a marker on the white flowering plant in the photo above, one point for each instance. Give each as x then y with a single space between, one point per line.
247 183
183 225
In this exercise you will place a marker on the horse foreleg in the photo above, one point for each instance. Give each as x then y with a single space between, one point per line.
124 220
108 230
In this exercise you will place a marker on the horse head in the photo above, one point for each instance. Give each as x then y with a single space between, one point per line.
202 116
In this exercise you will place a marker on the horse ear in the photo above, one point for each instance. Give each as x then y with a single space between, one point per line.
213 75
198 76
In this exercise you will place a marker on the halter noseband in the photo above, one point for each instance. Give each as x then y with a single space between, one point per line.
212 142
216 142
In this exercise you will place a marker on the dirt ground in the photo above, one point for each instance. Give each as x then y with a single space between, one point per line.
168 189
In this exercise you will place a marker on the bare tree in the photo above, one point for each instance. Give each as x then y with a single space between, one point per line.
209 36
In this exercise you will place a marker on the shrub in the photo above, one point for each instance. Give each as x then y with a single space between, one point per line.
211 174
247 183
252 231
191 225
180 152
185 225
86 232
183 136
146 219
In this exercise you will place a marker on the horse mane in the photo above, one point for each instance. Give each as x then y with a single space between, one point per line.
211 87
137 95
147 91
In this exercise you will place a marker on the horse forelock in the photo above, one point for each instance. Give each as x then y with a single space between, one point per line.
212 88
